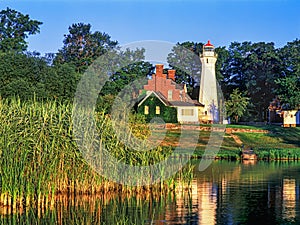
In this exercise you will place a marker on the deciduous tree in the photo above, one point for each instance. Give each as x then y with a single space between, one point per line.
14 29
82 46
21 75
253 68
289 82
184 58
236 105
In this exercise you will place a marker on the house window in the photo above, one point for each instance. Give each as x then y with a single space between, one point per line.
180 95
170 95
187 112
146 110
157 110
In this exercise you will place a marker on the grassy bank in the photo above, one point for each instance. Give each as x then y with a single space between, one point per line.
268 142
280 143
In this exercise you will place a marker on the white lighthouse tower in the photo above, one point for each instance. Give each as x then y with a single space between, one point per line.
208 94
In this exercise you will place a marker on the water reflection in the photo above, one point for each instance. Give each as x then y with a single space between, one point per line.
195 204
225 193
289 199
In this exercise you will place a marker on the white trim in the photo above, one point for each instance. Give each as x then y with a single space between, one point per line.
147 96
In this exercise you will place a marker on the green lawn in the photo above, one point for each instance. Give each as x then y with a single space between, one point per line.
278 137
279 142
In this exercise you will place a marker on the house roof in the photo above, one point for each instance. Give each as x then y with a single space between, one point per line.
158 95
188 102
179 103
178 86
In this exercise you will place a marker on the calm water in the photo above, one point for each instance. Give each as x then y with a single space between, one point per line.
226 193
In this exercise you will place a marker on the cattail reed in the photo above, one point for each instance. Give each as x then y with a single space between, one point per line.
40 159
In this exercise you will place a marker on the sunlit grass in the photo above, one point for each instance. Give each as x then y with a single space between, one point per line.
282 138
40 159
262 139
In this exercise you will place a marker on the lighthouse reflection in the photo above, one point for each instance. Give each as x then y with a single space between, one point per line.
234 193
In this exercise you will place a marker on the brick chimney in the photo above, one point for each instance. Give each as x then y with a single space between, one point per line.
171 74
159 70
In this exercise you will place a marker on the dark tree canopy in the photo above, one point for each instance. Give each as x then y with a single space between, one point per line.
289 82
184 58
223 57
128 75
21 75
82 46
28 75
253 68
14 29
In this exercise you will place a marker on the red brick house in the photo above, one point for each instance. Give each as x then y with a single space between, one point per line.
169 94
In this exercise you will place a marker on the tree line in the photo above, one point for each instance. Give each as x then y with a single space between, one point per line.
255 72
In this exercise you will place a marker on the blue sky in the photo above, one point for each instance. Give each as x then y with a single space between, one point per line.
221 21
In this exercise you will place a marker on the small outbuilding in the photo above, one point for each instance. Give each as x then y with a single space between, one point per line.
291 118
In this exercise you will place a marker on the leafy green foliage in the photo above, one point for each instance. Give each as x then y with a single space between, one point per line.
26 76
104 103
126 83
289 82
184 58
236 105
253 68
127 75
21 75
61 82
14 29
289 91
168 114
82 46
223 57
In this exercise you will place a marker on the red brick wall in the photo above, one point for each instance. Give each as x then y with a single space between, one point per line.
163 85
171 74
159 82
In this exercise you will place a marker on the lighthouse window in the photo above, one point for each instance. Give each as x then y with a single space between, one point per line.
206 60
208 49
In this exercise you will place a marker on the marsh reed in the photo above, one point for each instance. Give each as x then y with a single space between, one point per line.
39 158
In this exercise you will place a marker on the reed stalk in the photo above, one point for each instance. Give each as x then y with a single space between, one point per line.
40 158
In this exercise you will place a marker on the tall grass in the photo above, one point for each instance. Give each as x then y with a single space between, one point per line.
40 159
37 151
278 154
